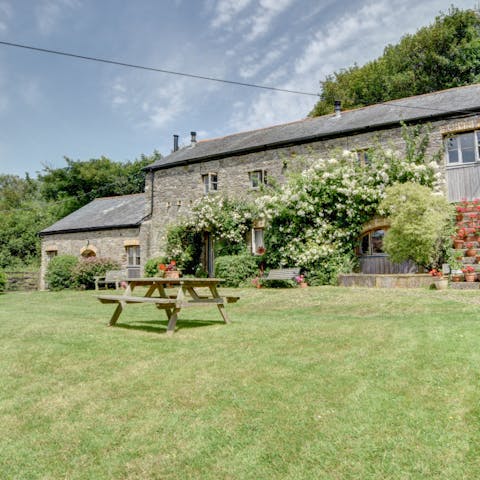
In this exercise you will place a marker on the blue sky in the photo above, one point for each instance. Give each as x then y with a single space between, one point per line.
52 106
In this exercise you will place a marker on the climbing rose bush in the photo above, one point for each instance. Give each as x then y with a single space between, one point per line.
226 219
319 213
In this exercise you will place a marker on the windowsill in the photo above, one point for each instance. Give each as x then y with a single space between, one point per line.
451 166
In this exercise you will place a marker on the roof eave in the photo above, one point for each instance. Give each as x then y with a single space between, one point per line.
90 229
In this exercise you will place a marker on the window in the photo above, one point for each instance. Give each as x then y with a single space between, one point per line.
372 242
463 147
210 182
362 157
51 254
258 247
133 256
258 178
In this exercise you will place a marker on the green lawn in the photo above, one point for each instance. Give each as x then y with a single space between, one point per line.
316 383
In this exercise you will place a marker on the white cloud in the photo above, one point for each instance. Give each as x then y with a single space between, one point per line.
226 10
270 108
262 19
6 13
150 106
257 62
346 32
359 35
31 93
49 13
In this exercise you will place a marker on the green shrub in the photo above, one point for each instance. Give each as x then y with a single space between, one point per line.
331 268
60 272
151 266
420 225
184 245
3 281
84 272
235 269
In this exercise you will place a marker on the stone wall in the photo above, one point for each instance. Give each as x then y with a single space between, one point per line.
176 188
25 281
105 243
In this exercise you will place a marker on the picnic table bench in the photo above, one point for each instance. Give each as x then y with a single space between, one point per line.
112 277
186 295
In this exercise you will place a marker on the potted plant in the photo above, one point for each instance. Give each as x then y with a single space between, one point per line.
460 211
469 272
459 238
300 279
456 276
440 282
170 270
471 250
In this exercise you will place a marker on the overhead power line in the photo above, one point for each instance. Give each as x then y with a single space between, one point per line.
202 77
153 69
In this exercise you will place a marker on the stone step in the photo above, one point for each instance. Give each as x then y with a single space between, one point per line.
464 285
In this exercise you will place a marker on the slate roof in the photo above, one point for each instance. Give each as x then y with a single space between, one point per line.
445 103
103 214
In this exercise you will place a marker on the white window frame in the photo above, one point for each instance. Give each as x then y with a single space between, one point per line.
210 182
362 156
257 244
257 178
133 255
453 144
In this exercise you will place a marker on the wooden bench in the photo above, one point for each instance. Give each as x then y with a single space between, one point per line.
163 303
283 274
112 277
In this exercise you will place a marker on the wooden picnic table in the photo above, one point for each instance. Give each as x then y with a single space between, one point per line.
186 295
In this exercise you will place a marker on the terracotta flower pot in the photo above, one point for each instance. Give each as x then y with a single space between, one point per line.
441 283
457 243
172 274
470 277
456 277
471 252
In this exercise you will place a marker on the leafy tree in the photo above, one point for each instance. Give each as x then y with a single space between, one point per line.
80 182
3 281
443 55
23 214
421 224
15 190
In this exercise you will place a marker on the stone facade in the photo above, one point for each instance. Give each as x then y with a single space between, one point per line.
174 183
176 188
103 243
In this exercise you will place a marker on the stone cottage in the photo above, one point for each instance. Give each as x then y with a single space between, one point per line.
107 227
238 164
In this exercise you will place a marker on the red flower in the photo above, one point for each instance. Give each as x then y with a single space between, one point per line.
162 267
